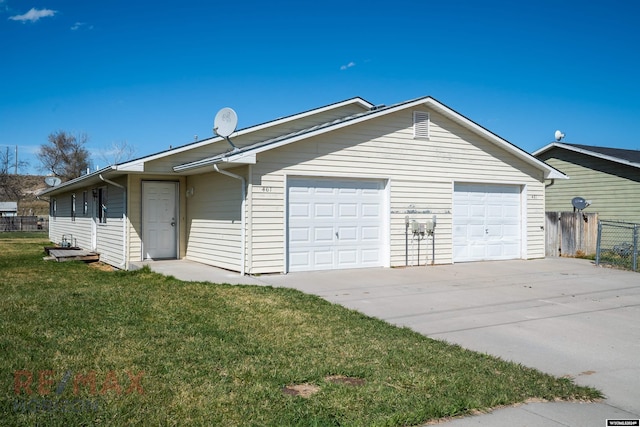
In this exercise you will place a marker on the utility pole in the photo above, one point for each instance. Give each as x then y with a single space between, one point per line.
16 160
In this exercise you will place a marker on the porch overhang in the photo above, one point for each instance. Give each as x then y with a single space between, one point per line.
237 158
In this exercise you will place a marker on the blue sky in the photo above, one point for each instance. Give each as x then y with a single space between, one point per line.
153 74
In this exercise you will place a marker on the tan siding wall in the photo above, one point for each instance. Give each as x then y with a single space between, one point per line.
421 173
613 189
214 219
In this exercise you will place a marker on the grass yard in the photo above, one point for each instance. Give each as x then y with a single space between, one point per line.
83 346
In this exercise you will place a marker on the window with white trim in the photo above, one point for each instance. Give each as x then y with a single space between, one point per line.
421 124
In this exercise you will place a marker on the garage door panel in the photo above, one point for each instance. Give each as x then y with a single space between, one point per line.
323 258
300 235
347 234
345 222
323 210
323 234
299 210
348 210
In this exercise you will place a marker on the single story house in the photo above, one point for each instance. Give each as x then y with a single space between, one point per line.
608 178
335 187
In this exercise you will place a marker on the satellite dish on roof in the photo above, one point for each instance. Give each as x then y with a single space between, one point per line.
52 181
225 122
559 135
579 203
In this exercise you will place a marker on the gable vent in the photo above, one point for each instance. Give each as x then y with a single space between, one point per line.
420 124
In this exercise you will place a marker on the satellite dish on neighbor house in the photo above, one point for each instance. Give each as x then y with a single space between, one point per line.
579 203
52 181
225 122
559 135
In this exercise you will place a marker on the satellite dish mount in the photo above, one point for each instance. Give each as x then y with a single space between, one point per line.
225 124
579 203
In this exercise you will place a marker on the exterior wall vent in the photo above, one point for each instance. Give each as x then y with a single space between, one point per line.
421 124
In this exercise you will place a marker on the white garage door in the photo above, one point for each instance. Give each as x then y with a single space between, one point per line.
335 224
486 222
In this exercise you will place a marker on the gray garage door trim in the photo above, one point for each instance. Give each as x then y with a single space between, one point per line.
487 222
336 223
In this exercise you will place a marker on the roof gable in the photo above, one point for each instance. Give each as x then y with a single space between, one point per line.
617 155
372 113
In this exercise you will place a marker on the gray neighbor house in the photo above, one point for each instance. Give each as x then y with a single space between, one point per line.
330 188
609 178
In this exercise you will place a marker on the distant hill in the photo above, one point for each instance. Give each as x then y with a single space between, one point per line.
22 188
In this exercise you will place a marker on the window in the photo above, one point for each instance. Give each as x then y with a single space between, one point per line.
102 205
73 207
421 124
54 207
85 204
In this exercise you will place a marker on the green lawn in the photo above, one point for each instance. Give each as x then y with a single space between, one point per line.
83 346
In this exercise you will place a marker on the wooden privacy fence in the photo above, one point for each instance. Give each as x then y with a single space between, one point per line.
571 233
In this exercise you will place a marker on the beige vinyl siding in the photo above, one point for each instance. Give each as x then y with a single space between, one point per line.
421 173
214 219
612 188
110 237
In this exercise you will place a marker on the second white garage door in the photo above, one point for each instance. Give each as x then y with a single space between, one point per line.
486 222
334 224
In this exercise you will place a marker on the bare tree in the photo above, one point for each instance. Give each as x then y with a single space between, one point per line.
9 162
65 155
9 181
118 152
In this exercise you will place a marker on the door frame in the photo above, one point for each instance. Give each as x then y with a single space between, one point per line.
177 215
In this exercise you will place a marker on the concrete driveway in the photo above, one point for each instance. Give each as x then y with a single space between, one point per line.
562 316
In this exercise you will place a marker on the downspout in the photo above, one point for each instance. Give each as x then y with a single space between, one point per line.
124 218
242 216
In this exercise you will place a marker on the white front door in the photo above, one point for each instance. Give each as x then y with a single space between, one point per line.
334 224
486 222
159 220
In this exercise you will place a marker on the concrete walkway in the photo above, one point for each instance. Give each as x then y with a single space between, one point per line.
562 316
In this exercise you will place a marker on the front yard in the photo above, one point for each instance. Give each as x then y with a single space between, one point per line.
84 346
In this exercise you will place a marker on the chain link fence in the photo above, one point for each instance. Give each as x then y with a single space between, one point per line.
617 244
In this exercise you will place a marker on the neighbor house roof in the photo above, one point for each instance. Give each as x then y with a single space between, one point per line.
617 155
8 206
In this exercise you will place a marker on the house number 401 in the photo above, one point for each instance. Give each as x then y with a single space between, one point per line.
266 189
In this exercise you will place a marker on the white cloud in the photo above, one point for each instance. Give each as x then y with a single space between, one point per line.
33 15
79 25
349 65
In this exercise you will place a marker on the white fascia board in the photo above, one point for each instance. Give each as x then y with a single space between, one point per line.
81 181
